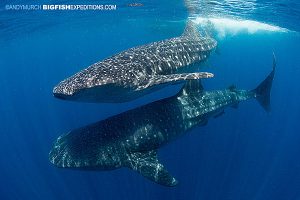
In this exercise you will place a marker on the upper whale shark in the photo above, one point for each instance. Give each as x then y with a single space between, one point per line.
131 139
138 71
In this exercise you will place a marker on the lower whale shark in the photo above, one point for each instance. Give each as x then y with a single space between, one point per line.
132 139
140 70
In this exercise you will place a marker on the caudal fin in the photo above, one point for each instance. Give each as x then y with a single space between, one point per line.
262 92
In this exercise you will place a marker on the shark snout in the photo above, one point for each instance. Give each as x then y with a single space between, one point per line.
62 92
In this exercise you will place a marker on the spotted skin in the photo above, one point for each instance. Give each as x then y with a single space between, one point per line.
138 71
131 139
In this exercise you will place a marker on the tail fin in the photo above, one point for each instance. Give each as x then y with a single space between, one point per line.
262 92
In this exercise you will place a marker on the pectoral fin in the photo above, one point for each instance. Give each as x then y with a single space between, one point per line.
174 78
147 164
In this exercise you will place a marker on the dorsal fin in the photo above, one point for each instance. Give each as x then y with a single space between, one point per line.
191 31
232 87
191 86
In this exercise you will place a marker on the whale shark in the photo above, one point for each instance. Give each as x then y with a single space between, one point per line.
131 139
140 70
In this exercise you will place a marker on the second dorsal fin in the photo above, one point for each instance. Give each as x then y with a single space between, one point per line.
191 31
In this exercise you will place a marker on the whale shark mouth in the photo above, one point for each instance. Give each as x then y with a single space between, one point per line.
230 26
60 96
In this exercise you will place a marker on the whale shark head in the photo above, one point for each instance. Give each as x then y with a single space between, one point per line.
104 92
87 86
70 92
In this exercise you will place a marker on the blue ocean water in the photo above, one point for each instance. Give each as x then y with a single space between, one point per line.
244 154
